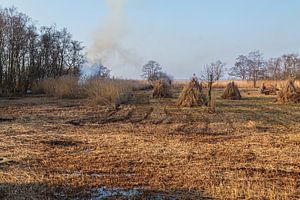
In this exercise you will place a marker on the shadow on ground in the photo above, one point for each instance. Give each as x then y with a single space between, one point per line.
43 191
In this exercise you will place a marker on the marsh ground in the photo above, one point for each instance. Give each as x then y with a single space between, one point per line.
62 149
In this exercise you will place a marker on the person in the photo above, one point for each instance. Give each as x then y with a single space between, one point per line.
194 77
263 88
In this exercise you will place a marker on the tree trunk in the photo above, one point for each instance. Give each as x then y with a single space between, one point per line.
254 83
210 89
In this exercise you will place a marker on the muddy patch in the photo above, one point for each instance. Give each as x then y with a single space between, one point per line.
7 118
62 143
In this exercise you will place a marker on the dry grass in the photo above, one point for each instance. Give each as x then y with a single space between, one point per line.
241 84
249 84
289 93
231 92
247 149
192 95
108 92
63 87
111 92
162 89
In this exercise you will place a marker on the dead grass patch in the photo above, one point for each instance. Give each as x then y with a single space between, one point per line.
187 155
289 93
65 87
63 143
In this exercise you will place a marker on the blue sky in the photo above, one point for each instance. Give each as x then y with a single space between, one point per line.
182 35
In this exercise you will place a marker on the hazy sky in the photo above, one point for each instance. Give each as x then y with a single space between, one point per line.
182 35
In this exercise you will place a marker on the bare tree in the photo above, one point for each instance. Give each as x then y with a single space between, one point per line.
151 70
256 66
213 72
101 71
74 58
274 68
28 55
291 65
250 67
240 69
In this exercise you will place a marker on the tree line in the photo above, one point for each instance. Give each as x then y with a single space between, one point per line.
254 67
251 67
29 54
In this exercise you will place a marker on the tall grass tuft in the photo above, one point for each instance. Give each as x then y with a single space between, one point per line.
111 92
100 91
62 87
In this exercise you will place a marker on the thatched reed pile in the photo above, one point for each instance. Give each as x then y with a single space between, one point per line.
231 92
289 93
192 95
162 89
268 89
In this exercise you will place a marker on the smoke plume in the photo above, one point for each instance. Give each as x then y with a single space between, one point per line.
108 42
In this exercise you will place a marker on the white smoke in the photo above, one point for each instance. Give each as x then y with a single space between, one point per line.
108 42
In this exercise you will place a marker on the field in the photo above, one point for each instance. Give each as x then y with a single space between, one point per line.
150 149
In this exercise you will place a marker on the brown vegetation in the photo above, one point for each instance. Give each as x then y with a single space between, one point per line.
99 91
192 95
162 89
109 92
231 92
289 93
64 87
243 83
246 150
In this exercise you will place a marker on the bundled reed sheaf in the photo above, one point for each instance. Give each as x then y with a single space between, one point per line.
231 92
289 93
192 95
268 89
162 89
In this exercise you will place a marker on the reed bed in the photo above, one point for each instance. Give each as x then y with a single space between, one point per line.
240 83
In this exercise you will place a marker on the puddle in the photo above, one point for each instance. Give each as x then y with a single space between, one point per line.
134 193
103 192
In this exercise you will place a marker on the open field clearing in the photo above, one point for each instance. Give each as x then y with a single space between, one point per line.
153 100
150 149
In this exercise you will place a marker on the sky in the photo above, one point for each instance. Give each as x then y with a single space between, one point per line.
182 35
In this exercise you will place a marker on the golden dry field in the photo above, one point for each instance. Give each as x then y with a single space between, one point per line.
150 149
